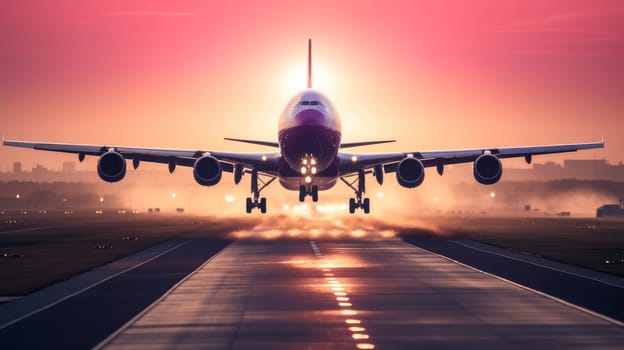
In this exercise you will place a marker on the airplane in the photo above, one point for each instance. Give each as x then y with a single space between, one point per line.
308 158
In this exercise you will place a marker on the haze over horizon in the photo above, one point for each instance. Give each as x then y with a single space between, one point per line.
437 75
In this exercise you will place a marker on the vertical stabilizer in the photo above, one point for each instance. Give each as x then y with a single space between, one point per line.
309 63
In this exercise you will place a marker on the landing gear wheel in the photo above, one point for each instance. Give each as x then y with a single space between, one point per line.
250 205
315 193
257 185
302 193
359 190
352 205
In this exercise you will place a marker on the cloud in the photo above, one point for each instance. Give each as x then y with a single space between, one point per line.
569 17
151 14
556 30
539 52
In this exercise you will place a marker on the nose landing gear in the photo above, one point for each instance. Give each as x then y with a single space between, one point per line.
312 192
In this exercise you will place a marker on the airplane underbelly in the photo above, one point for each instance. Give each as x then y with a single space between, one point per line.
293 183
308 140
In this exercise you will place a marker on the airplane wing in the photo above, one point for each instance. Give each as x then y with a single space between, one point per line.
266 163
351 163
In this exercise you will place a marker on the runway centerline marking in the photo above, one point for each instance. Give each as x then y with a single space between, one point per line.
23 317
344 304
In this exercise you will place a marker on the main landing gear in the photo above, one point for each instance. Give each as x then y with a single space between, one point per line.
256 201
357 202
312 191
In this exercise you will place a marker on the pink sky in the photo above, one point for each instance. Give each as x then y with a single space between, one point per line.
432 74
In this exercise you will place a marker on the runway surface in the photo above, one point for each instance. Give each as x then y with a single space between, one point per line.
350 294
79 313
593 290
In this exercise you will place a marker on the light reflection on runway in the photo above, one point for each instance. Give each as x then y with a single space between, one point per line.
349 294
358 333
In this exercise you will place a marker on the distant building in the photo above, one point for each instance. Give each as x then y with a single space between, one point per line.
17 168
39 169
580 169
610 210
69 167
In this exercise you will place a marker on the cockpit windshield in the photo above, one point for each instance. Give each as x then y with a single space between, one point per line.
311 103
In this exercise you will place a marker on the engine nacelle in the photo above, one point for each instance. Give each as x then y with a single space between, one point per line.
410 172
207 171
111 167
487 169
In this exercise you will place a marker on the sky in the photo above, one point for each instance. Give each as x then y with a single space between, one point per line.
431 74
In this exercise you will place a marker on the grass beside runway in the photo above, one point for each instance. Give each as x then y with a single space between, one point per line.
61 246
587 242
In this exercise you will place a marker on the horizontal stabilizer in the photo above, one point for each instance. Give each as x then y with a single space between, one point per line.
255 142
363 143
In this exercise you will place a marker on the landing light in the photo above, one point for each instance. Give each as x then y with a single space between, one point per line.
264 158
492 194
313 161
354 159
304 161
308 179
313 170
304 170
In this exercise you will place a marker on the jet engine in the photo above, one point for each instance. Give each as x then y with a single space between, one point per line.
207 171
487 169
111 167
410 172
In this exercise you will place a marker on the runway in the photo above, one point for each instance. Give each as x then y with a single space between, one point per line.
350 294
80 312
199 293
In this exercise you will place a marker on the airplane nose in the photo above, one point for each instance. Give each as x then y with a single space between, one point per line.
310 117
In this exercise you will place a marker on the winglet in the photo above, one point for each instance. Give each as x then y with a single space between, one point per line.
309 64
603 140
